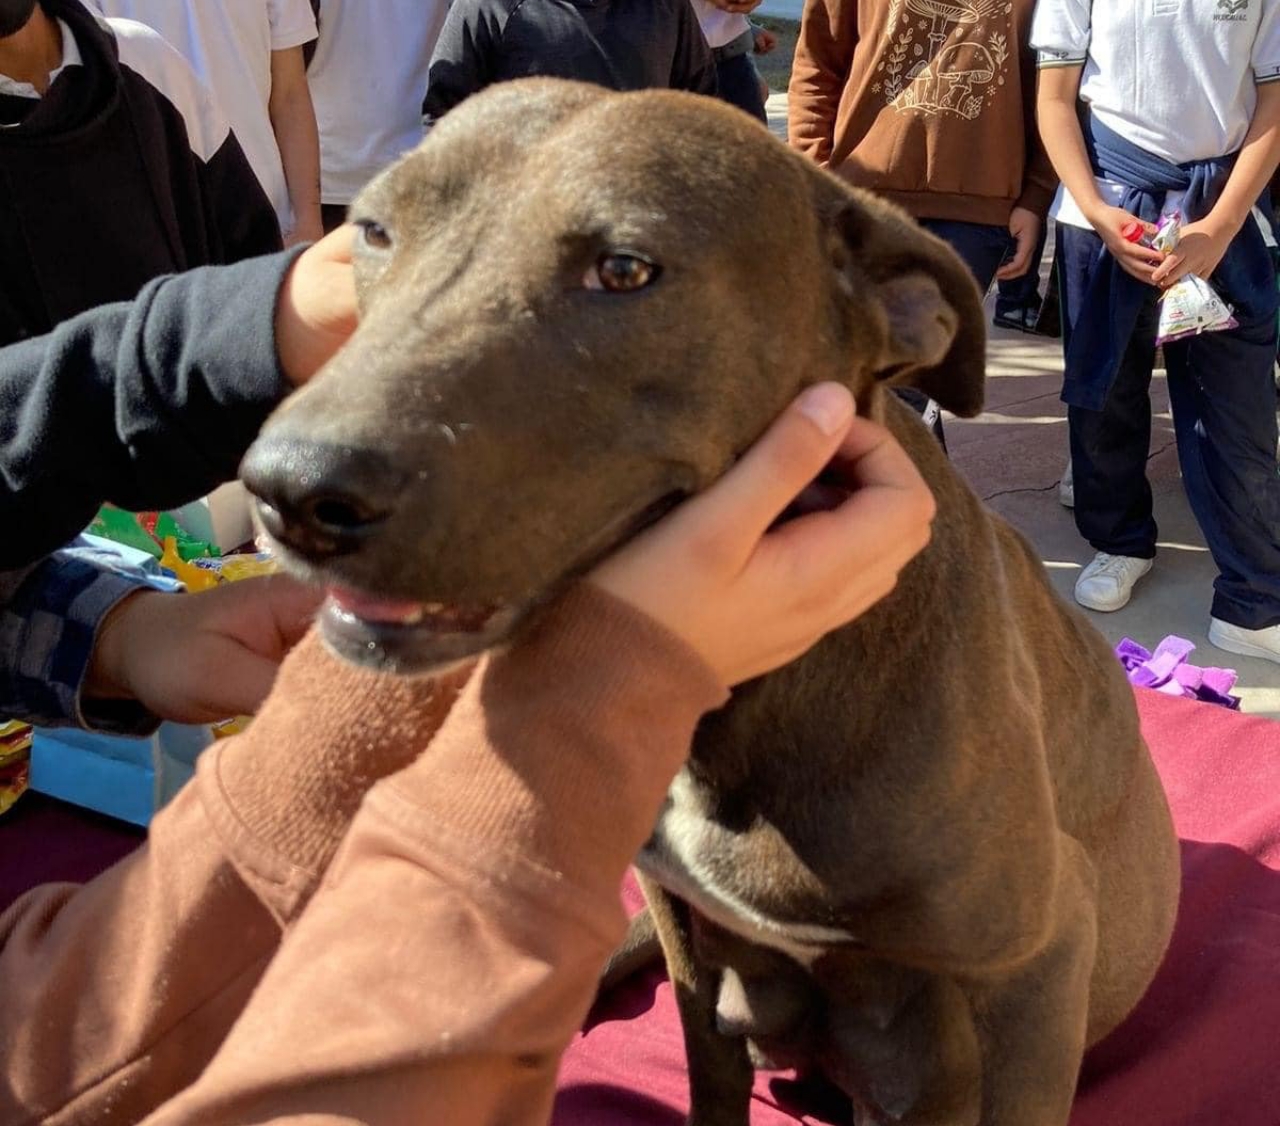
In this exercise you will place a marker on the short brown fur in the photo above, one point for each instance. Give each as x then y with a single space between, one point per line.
957 779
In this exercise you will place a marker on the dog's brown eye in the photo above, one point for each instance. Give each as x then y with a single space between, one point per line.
622 273
375 235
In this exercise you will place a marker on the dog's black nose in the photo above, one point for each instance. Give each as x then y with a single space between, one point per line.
320 500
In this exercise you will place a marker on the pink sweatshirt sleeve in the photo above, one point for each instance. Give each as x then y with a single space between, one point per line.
116 994
450 952
455 945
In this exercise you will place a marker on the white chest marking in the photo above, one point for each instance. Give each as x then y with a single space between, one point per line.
671 858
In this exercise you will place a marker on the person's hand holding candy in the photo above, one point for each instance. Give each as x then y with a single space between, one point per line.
1201 246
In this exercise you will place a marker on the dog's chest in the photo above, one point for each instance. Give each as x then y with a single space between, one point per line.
723 874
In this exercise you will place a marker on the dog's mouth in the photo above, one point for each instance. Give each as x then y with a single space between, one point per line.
411 637
400 636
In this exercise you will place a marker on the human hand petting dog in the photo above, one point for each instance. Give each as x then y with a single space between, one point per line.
749 594
198 658
316 308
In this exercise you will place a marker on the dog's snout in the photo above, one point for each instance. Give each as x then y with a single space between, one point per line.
320 500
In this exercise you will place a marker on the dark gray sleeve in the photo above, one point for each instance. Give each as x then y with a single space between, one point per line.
694 67
465 57
148 404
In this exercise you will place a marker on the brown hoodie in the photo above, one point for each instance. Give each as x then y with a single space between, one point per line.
930 103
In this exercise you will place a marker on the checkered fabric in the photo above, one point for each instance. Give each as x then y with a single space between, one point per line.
49 619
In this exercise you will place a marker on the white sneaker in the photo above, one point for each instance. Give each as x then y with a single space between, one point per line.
1108 582
1067 488
1263 643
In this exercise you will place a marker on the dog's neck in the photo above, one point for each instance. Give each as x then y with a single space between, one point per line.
868 670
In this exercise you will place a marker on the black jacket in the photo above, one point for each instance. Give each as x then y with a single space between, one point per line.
123 171
147 405
621 44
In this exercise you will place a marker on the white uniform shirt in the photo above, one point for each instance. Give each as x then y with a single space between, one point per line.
229 43
368 79
718 26
1178 78
152 59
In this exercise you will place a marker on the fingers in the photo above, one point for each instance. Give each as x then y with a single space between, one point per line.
244 679
884 490
1021 260
742 505
849 557
1170 270
265 615
292 605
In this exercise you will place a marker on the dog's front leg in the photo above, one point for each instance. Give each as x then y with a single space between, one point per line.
720 1071
1033 1024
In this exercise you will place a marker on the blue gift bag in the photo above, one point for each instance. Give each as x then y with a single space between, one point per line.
125 778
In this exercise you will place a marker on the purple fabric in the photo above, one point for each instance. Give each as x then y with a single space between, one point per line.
1167 670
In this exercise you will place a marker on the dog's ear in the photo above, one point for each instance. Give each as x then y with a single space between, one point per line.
935 337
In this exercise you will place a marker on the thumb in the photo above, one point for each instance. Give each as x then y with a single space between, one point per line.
775 470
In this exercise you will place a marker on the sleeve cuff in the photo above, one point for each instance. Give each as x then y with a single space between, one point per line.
1037 198
47 637
1047 59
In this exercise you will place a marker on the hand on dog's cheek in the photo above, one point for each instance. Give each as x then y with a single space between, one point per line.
749 593
316 309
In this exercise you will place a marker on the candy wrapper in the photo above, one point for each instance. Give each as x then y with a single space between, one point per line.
15 762
1189 306
148 531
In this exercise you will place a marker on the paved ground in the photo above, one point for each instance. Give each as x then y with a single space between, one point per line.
1013 455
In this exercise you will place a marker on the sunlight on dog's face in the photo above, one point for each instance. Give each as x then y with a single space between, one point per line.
578 309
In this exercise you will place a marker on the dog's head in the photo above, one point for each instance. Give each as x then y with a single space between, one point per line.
579 307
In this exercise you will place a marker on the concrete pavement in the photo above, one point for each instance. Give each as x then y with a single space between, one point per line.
1013 455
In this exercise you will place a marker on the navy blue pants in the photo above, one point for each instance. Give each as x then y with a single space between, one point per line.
738 83
983 246
1222 392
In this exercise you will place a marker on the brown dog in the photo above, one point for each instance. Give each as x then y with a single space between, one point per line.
930 858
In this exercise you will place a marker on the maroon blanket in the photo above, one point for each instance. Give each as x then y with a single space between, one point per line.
1203 1049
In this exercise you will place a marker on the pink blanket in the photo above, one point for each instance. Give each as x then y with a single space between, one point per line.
1203 1049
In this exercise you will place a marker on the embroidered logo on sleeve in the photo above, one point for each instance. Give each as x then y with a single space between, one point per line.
1165 7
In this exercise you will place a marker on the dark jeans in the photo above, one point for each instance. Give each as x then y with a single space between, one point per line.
983 246
739 85
1222 391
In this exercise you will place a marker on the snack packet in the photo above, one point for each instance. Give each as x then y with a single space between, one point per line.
1189 306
